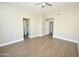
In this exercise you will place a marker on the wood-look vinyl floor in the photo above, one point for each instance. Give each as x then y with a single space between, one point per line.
44 46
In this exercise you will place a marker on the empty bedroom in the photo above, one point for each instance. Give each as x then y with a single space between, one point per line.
39 29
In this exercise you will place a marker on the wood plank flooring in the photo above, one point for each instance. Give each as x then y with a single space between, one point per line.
44 46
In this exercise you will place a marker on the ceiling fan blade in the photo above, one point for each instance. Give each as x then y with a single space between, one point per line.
43 4
48 4
38 3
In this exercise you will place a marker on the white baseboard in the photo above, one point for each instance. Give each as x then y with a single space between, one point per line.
5 44
65 39
37 35
43 34
34 36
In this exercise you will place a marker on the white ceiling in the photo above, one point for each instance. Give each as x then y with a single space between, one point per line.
37 8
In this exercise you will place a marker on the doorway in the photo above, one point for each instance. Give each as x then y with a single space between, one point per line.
25 28
50 28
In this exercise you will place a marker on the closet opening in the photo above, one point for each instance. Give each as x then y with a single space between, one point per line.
25 28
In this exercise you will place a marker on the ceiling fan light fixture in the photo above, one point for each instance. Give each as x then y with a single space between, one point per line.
43 4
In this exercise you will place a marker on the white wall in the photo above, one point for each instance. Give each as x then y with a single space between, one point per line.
66 21
42 25
43 22
47 27
11 23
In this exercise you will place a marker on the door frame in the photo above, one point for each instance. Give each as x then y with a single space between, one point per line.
48 20
51 29
28 32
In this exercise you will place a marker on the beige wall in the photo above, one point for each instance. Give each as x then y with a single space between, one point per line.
11 23
66 24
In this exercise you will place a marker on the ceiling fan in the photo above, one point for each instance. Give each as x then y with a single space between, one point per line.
44 4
